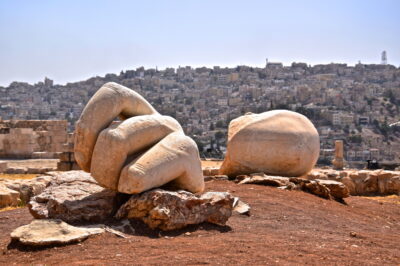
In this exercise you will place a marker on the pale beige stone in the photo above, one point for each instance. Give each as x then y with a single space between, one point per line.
8 197
144 151
277 142
50 232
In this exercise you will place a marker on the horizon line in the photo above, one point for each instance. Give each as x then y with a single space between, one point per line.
210 66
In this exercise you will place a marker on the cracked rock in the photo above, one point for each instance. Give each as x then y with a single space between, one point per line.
168 210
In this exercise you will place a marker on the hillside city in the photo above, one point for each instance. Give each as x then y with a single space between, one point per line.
358 104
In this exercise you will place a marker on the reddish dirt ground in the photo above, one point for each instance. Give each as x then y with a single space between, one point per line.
285 227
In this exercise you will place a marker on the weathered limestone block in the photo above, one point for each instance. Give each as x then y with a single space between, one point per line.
8 197
73 197
64 166
65 156
168 210
337 189
362 182
52 232
27 188
313 187
144 151
3 166
277 142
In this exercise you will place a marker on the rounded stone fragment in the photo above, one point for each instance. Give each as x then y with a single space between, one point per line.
277 142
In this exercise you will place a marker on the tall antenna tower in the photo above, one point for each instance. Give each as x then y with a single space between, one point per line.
384 58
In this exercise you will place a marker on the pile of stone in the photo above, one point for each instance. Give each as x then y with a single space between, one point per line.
59 199
75 197
358 182
362 183
328 189
67 159
32 138
20 191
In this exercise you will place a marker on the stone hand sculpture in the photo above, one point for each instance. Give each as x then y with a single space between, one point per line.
277 142
143 151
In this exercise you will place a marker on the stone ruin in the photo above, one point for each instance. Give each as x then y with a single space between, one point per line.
277 142
142 151
32 139
36 139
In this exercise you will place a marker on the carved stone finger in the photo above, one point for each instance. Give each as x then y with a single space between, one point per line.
173 158
110 101
132 136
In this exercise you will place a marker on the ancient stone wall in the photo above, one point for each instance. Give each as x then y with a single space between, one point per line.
32 138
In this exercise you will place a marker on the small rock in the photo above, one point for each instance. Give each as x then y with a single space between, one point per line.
49 232
261 179
8 197
28 188
168 210
337 189
316 188
241 207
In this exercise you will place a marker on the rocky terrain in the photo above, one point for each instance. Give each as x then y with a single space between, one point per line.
283 227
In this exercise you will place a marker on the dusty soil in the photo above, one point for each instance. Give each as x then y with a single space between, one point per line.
285 227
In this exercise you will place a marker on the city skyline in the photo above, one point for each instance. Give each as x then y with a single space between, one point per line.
72 41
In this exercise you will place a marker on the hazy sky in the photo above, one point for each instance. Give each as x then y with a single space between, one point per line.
73 40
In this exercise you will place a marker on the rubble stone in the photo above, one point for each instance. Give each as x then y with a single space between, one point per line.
73 197
262 179
337 189
364 182
8 197
169 210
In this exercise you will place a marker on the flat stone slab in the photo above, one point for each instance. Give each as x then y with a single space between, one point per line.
168 210
267 180
52 232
